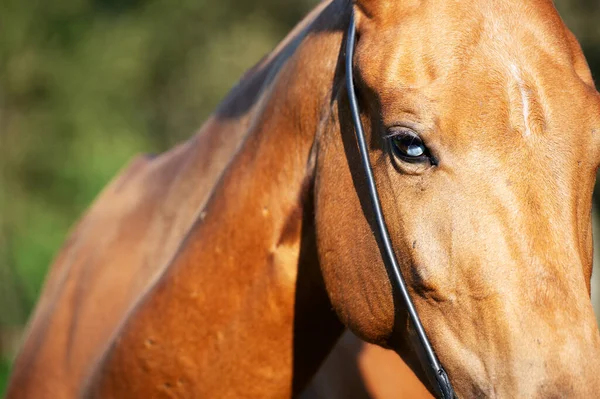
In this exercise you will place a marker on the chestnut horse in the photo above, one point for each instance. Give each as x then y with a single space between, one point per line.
229 266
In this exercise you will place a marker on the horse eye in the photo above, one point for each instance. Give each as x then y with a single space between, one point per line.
408 146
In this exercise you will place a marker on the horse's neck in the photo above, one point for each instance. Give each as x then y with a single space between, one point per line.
229 315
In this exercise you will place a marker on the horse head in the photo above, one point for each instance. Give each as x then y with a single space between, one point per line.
483 128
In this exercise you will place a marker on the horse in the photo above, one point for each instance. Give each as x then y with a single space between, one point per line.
230 265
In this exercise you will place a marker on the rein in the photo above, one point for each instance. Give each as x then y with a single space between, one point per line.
432 366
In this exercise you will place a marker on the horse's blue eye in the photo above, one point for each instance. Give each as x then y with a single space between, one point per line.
408 146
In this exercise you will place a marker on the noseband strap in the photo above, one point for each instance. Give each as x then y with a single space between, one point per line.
442 383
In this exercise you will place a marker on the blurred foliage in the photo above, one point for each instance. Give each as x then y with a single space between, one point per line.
86 84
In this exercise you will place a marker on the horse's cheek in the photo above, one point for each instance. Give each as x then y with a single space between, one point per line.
354 274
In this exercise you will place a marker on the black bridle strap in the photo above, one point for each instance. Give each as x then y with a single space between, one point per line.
398 283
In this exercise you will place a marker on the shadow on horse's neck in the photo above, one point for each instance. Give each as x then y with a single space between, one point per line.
316 327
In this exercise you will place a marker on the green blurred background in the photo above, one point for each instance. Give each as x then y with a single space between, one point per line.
86 84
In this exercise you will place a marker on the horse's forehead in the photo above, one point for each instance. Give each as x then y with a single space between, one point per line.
442 39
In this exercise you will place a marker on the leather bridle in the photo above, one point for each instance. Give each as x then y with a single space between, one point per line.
432 366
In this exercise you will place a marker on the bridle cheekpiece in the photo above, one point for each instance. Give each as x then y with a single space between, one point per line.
432 365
